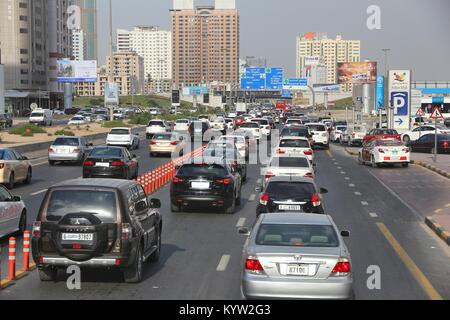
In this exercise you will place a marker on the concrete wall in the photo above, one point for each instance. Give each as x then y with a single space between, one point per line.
2 89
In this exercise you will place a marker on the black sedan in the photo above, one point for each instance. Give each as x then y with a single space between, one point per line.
111 162
427 144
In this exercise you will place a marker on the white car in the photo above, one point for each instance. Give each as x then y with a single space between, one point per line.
297 146
384 151
229 123
418 132
156 126
13 213
353 135
232 115
264 125
78 120
336 134
204 118
240 143
123 137
154 111
182 125
293 122
218 124
320 134
289 165
253 127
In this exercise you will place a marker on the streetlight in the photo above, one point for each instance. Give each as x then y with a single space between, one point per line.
390 117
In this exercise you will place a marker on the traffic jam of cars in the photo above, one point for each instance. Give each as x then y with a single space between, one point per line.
293 250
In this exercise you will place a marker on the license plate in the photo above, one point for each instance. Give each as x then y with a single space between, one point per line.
102 164
63 150
290 207
78 236
200 185
298 270
394 152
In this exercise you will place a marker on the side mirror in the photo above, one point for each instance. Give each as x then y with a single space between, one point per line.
155 203
244 231
24 158
259 189
90 144
323 191
16 198
345 234
134 156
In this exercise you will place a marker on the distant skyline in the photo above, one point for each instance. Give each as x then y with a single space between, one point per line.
416 31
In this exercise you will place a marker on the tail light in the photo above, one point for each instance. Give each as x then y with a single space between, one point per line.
174 143
308 153
51 150
342 268
264 200
36 232
152 143
126 231
268 127
281 151
119 163
309 175
76 150
269 175
177 180
353 135
406 150
381 150
445 144
316 201
2 166
253 265
225 182
88 163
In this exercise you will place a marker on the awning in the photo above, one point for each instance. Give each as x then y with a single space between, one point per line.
26 94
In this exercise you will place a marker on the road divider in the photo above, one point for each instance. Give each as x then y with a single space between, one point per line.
428 166
438 229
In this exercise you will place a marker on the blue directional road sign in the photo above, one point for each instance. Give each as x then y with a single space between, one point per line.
274 78
286 93
254 79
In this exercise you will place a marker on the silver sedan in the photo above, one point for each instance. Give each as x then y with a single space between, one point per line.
296 256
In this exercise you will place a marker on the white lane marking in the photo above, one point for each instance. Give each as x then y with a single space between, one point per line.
39 192
339 168
343 172
351 185
357 193
259 181
364 203
223 264
373 215
252 197
438 210
347 178
241 222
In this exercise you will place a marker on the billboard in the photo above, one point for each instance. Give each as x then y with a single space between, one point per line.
194 91
380 93
295 84
77 71
111 94
400 97
357 72
327 88
312 61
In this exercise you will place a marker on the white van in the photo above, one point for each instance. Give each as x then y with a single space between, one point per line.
41 117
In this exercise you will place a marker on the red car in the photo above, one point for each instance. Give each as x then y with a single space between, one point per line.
381 134
239 121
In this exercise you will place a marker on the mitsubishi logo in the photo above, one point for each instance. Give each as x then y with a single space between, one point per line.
76 222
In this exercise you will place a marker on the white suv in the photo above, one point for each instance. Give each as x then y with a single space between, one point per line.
156 126
123 137
320 134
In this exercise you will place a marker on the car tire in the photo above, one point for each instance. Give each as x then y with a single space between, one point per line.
157 254
133 274
374 164
51 163
239 199
405 165
175 208
232 208
47 274
406 139
29 176
11 181
22 222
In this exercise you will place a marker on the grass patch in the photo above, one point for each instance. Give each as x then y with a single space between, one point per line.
115 124
26 129
65 133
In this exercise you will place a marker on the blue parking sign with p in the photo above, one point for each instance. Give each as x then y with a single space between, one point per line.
400 102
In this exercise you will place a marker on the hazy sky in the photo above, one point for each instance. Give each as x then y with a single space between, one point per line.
416 31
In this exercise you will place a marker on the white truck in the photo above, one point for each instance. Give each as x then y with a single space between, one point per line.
42 117
241 107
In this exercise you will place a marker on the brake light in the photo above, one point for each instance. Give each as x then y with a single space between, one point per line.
2 166
353 135
264 200
88 163
174 143
152 143
76 150
225 182
406 150
315 200
51 150
342 268
281 151
445 144
308 153
126 231
309 175
36 232
119 163
269 175
253 265
177 180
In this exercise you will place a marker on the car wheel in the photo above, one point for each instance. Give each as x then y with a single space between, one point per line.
22 222
157 254
11 181
232 208
48 274
239 198
175 208
133 274
406 139
29 176
405 165
51 163
374 164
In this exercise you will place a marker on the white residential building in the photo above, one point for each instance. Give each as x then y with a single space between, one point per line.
123 41
79 45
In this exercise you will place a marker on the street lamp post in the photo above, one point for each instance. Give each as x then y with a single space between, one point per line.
111 64
387 105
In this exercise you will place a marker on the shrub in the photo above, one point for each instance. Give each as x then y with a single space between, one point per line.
114 124
140 119
65 133
28 129
27 134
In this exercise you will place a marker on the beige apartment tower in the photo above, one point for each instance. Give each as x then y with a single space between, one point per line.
205 43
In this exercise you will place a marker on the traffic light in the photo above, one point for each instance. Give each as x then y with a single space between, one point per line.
206 98
224 99
176 96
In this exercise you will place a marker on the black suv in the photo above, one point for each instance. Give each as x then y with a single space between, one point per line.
200 131
290 194
201 184
97 223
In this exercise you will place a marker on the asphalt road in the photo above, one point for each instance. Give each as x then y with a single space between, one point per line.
201 252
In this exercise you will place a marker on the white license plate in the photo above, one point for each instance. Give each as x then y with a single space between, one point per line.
102 164
200 185
63 150
286 207
77 236
298 270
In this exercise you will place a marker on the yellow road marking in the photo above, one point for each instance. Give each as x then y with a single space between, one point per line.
329 153
412 267
448 206
438 210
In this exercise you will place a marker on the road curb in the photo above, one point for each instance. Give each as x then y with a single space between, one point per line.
5 283
441 172
438 229
352 153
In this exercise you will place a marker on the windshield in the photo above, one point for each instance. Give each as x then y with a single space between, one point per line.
73 142
294 121
204 170
120 131
182 121
261 122
290 235
156 123
294 143
102 204
106 152
285 162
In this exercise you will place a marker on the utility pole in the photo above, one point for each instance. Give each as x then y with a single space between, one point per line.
387 105
111 63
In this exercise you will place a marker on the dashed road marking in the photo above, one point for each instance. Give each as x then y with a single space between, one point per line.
259 181
347 178
343 172
373 215
438 210
351 185
448 206
241 222
364 203
39 192
252 197
223 264
357 193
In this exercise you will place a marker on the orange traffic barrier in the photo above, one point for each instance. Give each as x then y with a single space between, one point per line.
12 259
26 251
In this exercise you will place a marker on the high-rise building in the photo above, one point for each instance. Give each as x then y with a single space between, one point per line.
89 26
155 46
24 52
205 42
78 45
329 51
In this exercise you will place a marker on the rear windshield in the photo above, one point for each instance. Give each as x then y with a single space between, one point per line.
163 136
390 143
250 125
232 140
101 204
285 162
106 152
37 114
318 128
295 133
66 142
341 128
182 121
289 190
291 235
156 123
294 121
204 170
261 122
388 132
294 143
120 131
